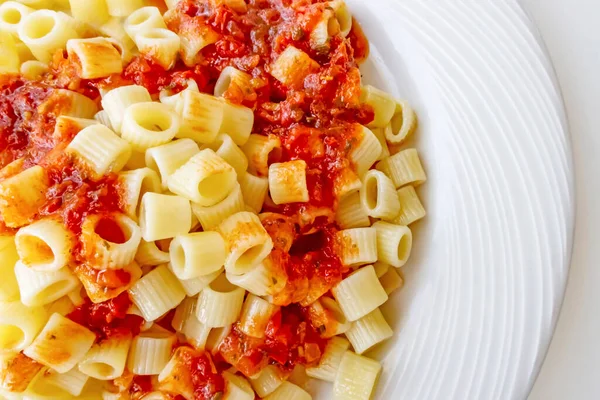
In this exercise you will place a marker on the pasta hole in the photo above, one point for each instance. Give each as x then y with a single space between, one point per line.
222 285
177 257
10 336
111 231
404 247
51 290
157 123
371 186
397 122
248 257
11 16
103 369
333 26
334 309
156 34
212 186
40 27
38 251
139 18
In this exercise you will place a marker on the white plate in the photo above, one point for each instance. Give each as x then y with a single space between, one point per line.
486 279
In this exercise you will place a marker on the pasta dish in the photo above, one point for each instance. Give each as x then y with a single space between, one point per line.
199 199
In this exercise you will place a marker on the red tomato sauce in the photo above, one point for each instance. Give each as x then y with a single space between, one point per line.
108 318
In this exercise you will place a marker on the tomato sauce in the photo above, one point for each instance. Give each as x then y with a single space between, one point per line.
108 318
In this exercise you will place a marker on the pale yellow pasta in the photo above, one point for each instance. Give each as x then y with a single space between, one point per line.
143 19
97 57
394 243
380 134
411 208
61 344
33 69
103 253
167 159
176 377
380 268
40 389
157 292
258 281
237 387
195 332
161 44
150 352
328 310
102 117
368 331
72 104
324 30
201 114
18 371
114 29
359 293
135 184
358 246
211 217
44 32
225 148
147 125
378 196
292 66
99 150
166 96
123 8
19 325
116 101
382 103
248 242
267 381
12 14
330 360
196 254
90 11
22 195
289 391
220 303
391 281
164 216
254 190
403 168
68 126
38 288
71 382
346 182
9 288
193 286
351 213
259 150
287 182
237 122
216 337
186 308
403 123
10 62
63 306
366 150
256 314
346 386
205 179
137 160
106 359
44 245
342 16
194 37
149 254
233 79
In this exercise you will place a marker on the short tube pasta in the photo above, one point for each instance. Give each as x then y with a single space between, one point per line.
351 213
135 184
123 8
33 69
260 150
143 19
211 217
205 179
201 116
233 80
378 196
411 208
99 151
44 32
391 281
237 387
164 216
110 241
22 195
366 151
19 325
394 243
359 293
71 382
195 285
225 147
382 103
147 125
403 123
247 241
149 253
292 66
18 372
167 159
269 379
197 254
10 62
289 391
256 314
117 100
90 11
156 293
237 122
44 245
358 246
369 331
254 190
106 359
346 386
12 14
258 281
61 344
150 352
403 168
287 182
330 361
97 57
220 303
161 44
9 288
39 288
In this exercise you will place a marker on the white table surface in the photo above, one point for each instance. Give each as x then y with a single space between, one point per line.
571 31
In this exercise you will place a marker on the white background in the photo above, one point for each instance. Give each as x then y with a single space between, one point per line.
571 30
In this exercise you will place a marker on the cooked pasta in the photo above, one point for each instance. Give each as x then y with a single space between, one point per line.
144 139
